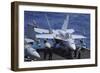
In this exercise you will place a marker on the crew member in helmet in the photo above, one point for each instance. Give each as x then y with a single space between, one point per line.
48 50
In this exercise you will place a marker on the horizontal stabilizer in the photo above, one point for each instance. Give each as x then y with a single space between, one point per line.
78 37
45 36
39 30
70 31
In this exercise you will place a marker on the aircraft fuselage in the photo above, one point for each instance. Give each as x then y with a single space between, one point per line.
61 35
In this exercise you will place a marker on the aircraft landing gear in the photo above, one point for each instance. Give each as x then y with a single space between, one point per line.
72 54
75 54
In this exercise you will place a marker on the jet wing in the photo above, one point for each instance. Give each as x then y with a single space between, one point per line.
40 30
78 37
45 36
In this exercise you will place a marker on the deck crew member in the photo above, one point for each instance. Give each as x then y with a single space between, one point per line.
48 50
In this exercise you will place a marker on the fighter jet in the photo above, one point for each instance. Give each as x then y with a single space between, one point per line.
30 52
63 34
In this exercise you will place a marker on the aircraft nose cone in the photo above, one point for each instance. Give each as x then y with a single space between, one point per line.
73 46
36 54
33 52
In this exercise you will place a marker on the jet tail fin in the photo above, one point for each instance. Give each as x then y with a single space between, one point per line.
50 29
65 25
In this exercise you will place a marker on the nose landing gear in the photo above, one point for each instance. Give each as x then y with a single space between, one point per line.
75 54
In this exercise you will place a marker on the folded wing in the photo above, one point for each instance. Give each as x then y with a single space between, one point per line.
39 30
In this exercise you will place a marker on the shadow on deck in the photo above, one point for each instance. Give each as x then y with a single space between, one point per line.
59 54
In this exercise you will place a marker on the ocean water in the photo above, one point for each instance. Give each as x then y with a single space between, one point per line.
77 21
